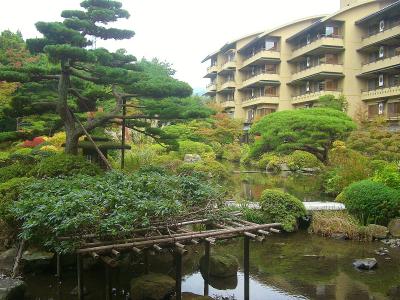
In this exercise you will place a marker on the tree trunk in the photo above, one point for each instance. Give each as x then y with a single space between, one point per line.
71 143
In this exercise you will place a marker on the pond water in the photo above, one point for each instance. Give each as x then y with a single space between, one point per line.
295 266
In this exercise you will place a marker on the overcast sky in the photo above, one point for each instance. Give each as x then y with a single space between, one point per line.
182 32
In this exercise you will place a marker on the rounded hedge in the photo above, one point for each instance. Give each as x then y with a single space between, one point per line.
281 207
371 202
65 165
299 160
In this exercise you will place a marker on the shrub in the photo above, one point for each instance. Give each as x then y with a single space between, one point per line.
301 159
33 143
4 158
64 165
57 140
378 164
17 169
211 168
371 202
389 176
232 152
190 147
275 162
330 223
9 192
49 148
280 207
265 159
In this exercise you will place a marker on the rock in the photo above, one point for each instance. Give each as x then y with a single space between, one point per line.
220 265
365 264
192 158
284 167
7 260
394 228
223 283
152 286
377 231
394 292
34 260
339 236
12 289
310 170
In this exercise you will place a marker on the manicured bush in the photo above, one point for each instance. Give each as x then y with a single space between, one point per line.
64 165
190 147
275 162
9 192
17 169
371 202
209 167
232 152
301 159
4 158
265 159
279 207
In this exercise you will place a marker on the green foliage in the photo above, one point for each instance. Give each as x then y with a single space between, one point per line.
265 160
330 101
190 147
345 167
113 204
9 193
376 141
313 130
371 202
18 169
210 168
232 152
279 207
64 165
389 176
301 159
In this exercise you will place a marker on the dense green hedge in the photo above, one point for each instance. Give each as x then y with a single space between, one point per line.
371 202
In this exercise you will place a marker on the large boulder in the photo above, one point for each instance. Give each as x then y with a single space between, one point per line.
152 286
220 265
377 231
192 158
12 289
394 227
34 260
7 260
365 264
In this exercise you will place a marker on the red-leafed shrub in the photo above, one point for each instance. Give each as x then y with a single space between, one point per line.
35 142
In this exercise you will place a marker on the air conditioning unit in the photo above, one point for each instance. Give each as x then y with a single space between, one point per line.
380 108
381 81
381 52
381 25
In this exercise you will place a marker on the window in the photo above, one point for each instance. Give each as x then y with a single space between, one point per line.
381 81
381 52
270 45
250 115
331 59
307 86
329 30
229 97
393 109
330 85
381 26
372 111
270 91
308 62
270 69
380 108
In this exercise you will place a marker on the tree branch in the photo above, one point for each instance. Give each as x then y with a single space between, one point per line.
78 74
76 93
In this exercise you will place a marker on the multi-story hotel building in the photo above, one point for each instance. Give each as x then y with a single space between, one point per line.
354 52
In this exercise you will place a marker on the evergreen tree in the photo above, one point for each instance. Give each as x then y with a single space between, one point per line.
85 77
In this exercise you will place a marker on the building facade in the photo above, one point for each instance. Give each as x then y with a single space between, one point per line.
354 52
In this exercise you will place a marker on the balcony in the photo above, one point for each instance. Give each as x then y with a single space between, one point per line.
227 86
211 71
319 45
314 96
265 99
228 66
392 31
261 79
385 92
262 56
319 71
227 103
381 64
212 87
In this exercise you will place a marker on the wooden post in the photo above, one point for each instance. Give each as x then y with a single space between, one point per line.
207 267
79 261
178 275
246 266
123 132
58 274
108 282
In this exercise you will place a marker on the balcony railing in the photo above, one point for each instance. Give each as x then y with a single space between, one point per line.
316 64
316 38
275 49
257 73
378 88
212 68
316 91
227 100
377 30
252 98
377 59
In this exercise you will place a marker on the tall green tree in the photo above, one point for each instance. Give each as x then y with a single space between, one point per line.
313 130
85 77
